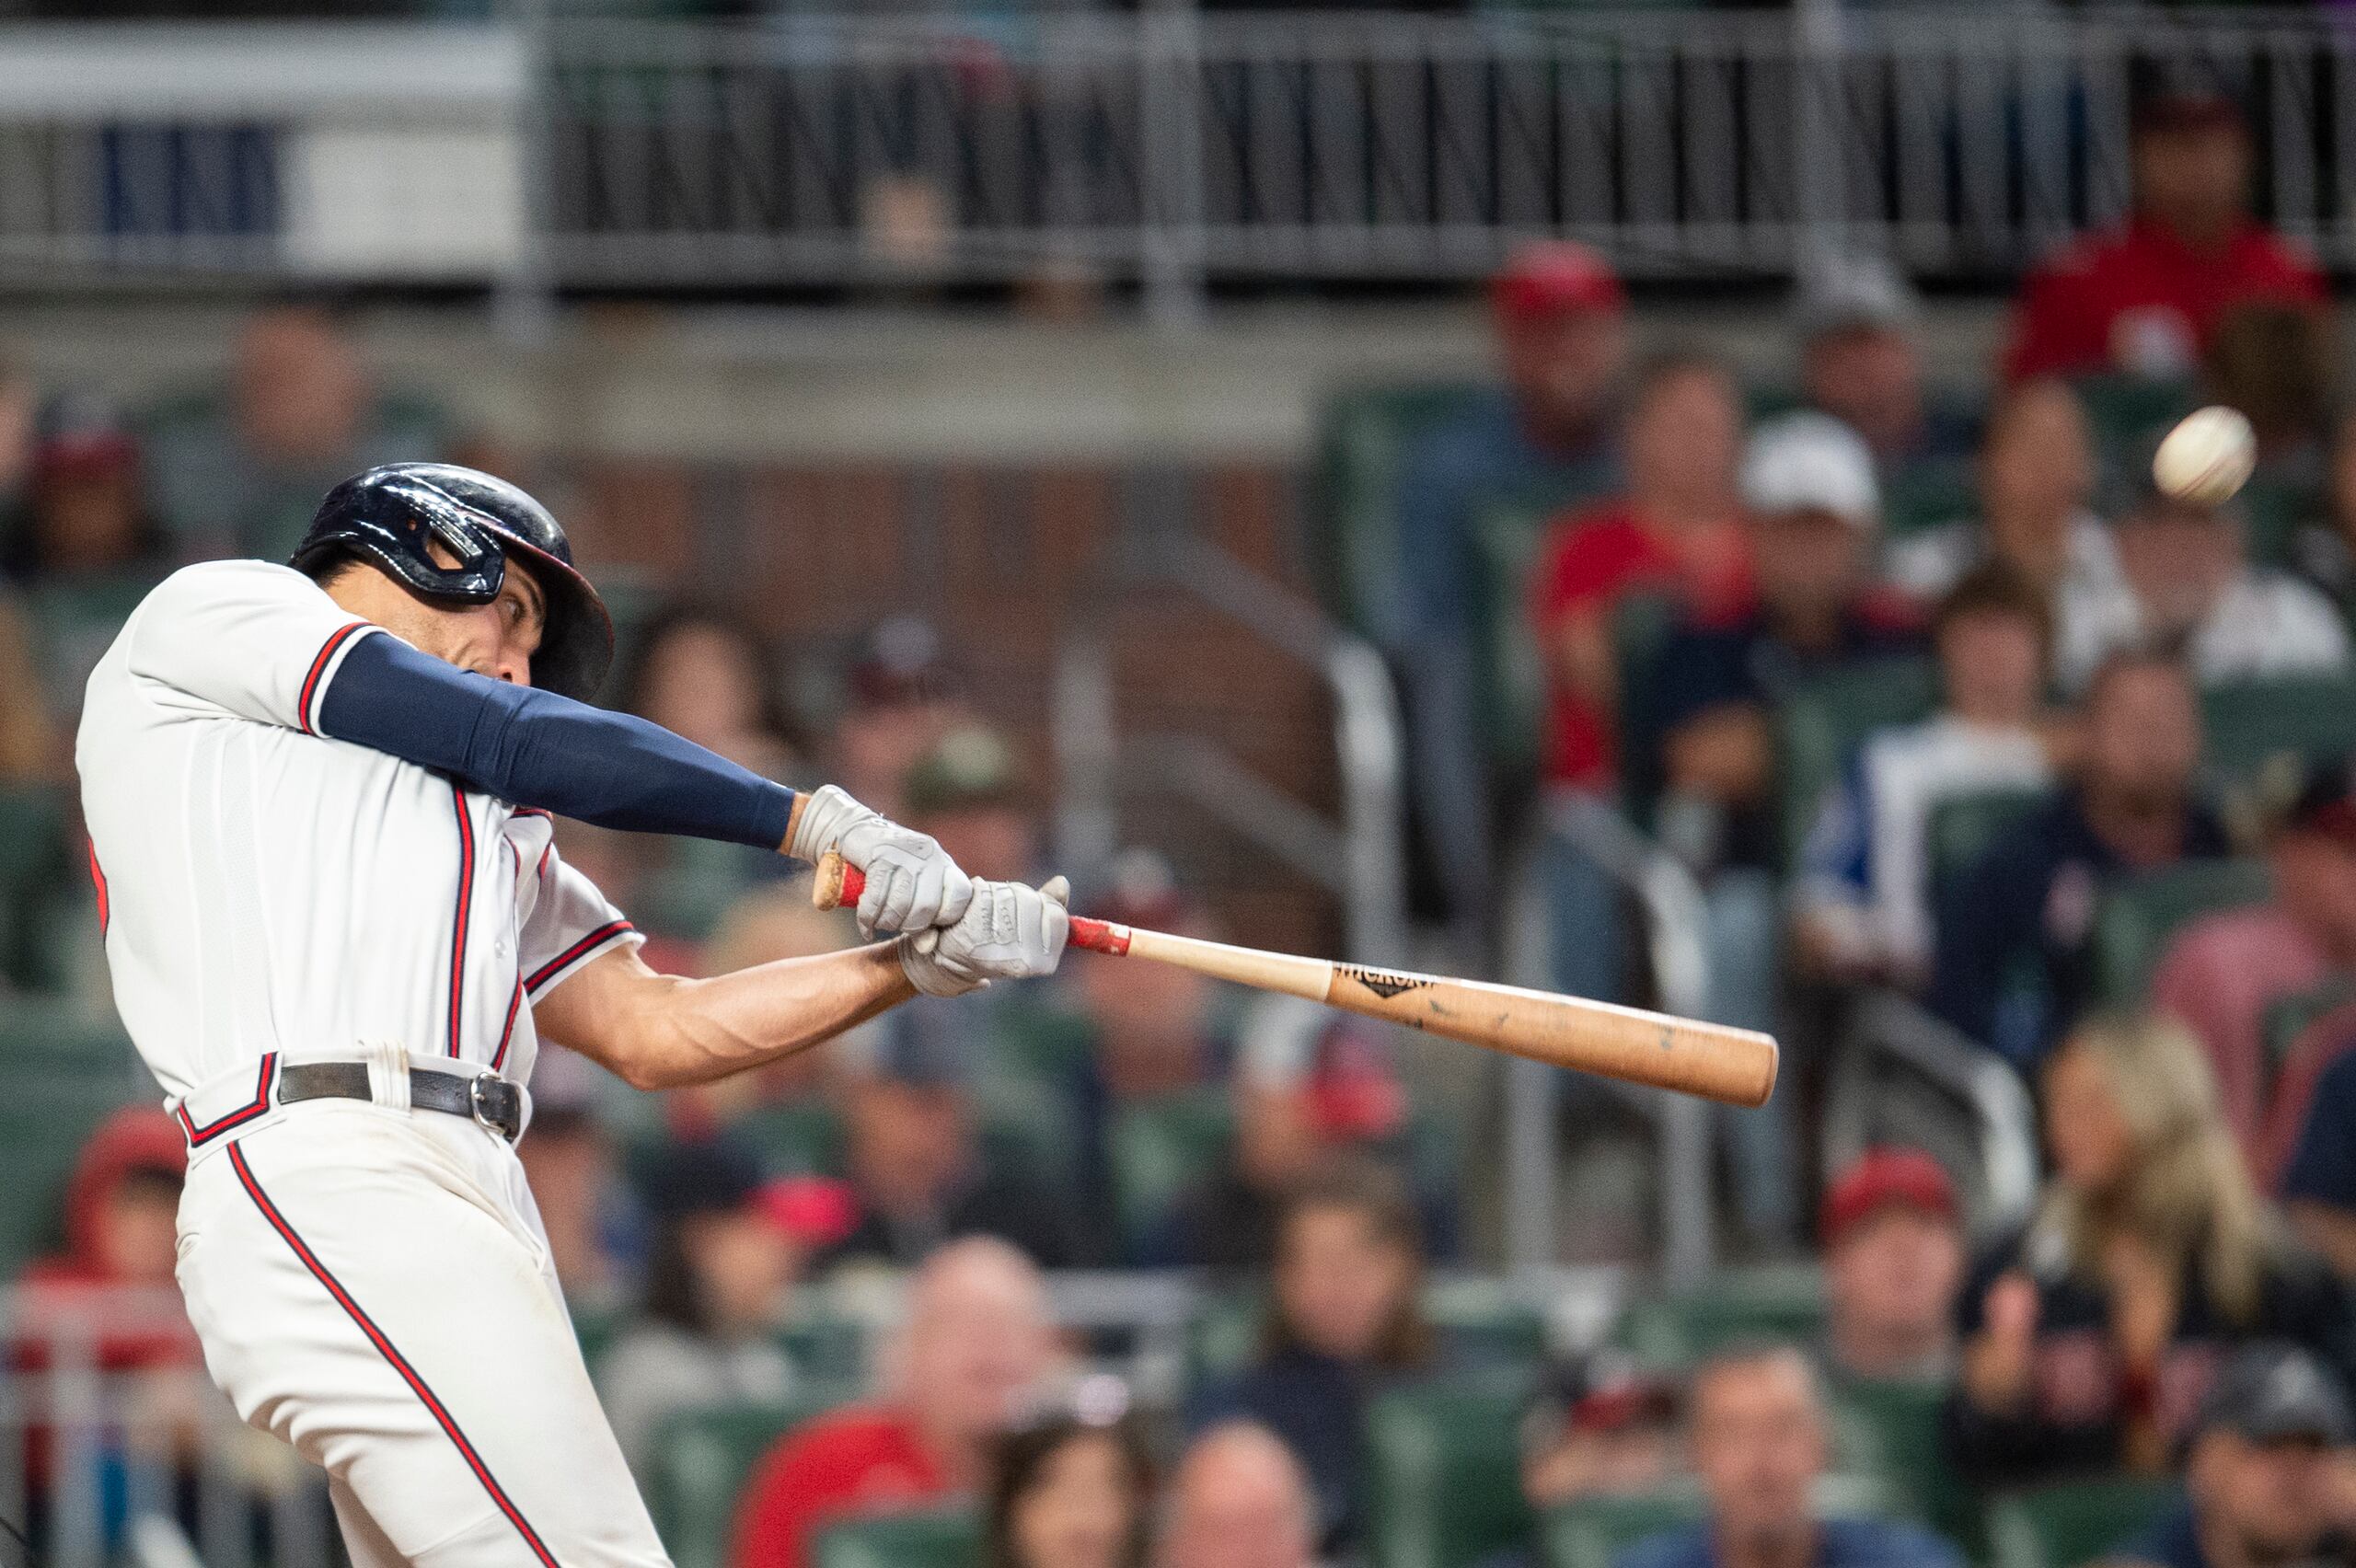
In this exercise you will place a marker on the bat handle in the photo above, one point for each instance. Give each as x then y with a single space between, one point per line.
839 883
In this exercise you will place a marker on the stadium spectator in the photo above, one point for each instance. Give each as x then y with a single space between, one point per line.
2145 298
1304 1091
904 694
966 790
1345 1319
32 745
240 472
86 518
2267 1477
122 1213
1540 441
1863 893
2194 590
1238 1500
1761 1442
1675 530
86 549
914 1159
1073 1491
2278 364
111 1293
1814 504
1861 361
1151 1037
2322 546
2037 475
726 1250
569 1161
2223 971
2309 1143
2090 1335
1600 1427
2015 962
1675 535
702 671
1892 1238
976 1345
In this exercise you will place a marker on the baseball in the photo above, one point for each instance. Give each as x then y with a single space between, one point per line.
2207 457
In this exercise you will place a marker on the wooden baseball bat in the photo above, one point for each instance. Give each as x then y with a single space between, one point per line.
1737 1066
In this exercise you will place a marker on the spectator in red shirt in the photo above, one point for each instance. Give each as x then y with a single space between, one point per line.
1676 529
2146 298
976 1345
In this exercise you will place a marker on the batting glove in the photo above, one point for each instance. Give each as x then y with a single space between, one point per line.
1008 932
912 884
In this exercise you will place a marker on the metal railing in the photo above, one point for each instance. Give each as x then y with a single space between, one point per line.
1163 146
1356 857
1977 1102
1669 902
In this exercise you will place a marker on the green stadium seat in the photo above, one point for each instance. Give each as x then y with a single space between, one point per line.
1444 1482
2137 917
831 1354
1363 437
594 1329
1961 829
1773 1302
1513 673
1157 1152
925 1538
2307 718
701 1461
2064 1525
1904 1419
34 858
795 1138
2130 413
1817 729
2287 1018
1593 1531
1929 495
2271 508
48 1116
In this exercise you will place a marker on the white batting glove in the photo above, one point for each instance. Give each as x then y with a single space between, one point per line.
1008 932
912 884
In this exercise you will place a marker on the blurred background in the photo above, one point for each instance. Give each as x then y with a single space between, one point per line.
1647 500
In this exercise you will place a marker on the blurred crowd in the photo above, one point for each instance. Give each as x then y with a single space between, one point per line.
1923 686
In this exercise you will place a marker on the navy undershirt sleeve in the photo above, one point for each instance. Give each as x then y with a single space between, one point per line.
535 748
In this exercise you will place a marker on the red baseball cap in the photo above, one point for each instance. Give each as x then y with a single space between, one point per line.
1878 1178
1556 277
813 1210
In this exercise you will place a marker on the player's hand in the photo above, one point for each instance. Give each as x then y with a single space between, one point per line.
912 883
1008 932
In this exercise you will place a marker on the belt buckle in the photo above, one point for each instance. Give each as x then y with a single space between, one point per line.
495 1104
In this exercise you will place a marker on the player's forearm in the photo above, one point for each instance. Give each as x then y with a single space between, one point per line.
689 1031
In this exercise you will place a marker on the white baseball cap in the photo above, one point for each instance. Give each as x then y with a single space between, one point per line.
1811 462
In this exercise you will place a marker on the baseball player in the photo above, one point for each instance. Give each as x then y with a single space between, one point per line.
319 799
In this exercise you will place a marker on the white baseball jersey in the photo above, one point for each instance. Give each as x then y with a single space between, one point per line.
264 888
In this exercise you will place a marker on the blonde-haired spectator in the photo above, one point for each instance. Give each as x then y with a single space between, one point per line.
2089 1337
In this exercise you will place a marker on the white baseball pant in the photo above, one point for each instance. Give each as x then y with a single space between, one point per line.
371 1286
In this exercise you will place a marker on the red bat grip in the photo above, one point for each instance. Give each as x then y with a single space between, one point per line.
840 884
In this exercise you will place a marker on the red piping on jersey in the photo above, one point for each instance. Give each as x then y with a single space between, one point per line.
197 1136
318 668
577 952
514 997
400 1363
98 881
458 920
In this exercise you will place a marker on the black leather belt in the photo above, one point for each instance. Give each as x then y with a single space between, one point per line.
486 1097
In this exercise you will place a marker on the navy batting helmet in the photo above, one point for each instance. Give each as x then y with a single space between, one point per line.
388 515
